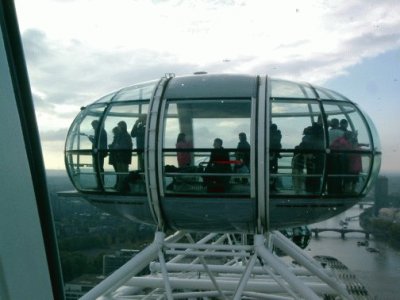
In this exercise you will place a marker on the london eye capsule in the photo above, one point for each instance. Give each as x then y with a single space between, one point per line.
226 153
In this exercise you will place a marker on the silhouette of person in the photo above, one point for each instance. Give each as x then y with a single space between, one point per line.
335 131
243 152
112 159
98 139
313 140
343 125
184 158
339 163
124 155
242 157
345 164
138 132
219 163
275 145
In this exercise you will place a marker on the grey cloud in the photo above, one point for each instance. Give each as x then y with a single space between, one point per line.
76 74
372 43
55 135
35 48
40 103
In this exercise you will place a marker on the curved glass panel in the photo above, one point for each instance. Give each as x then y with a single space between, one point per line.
326 94
374 132
206 147
141 91
86 149
292 117
296 147
347 172
374 173
124 167
345 117
106 98
289 89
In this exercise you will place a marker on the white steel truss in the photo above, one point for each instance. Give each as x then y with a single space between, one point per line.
220 266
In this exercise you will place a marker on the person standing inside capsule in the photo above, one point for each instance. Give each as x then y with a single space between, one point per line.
124 155
343 125
99 137
219 163
184 158
138 132
335 131
112 159
242 157
243 152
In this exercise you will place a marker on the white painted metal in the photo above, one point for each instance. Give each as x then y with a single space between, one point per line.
302 289
181 267
282 242
212 267
150 150
131 268
253 137
207 246
226 285
134 266
204 240
245 277
262 156
165 274
203 262
268 119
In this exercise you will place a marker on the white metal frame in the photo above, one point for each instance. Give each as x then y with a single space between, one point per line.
219 266
262 157
150 151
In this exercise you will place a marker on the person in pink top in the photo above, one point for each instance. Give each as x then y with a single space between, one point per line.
338 164
350 164
184 158
355 164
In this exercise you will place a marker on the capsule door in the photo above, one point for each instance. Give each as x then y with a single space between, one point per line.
206 158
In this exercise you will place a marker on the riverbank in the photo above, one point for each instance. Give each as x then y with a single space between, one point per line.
382 229
378 270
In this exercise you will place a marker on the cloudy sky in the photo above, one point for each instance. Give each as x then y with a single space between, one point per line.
77 51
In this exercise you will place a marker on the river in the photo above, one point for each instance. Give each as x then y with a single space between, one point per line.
378 271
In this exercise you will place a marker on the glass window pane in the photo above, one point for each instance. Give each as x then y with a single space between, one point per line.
375 172
81 170
296 127
326 94
88 139
106 98
143 91
82 131
288 89
201 142
374 132
347 172
124 165
292 118
345 117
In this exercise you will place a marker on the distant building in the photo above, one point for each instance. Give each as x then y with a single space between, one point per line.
112 262
80 286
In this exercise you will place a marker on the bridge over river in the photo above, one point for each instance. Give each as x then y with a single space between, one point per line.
342 231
